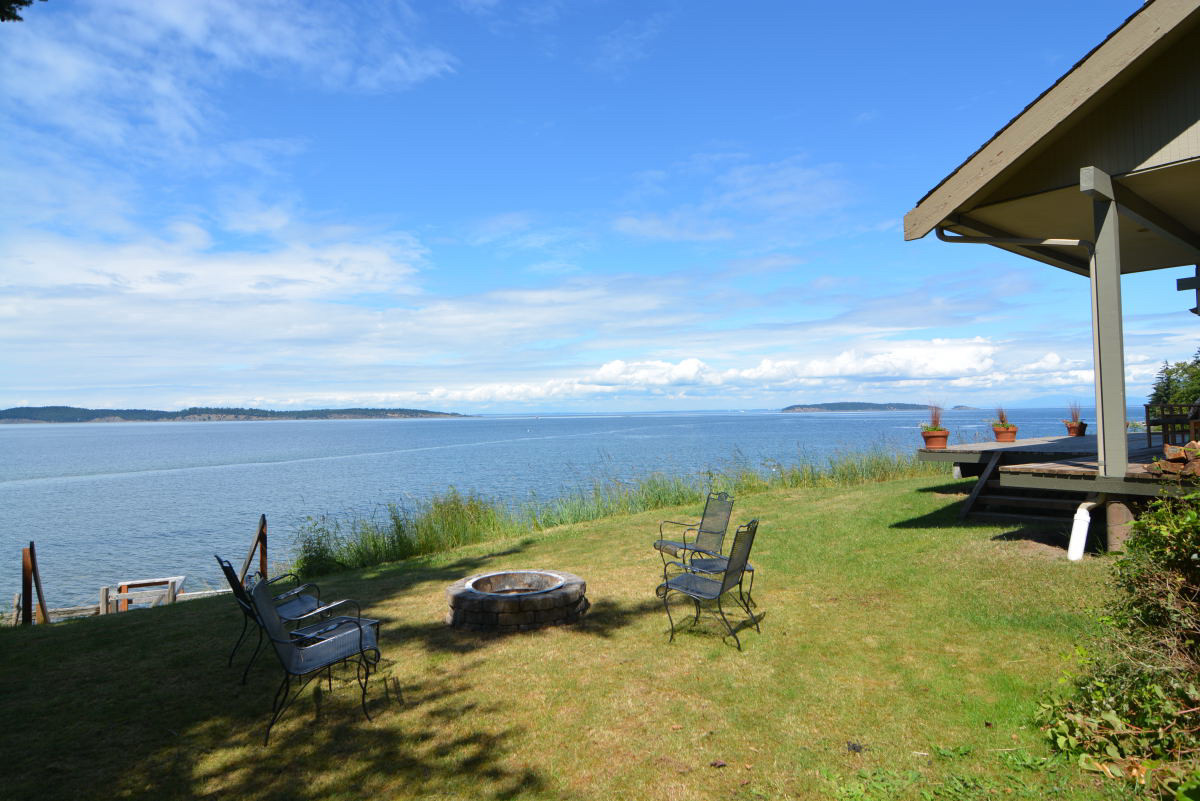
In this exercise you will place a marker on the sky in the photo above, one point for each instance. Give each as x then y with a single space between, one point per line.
505 206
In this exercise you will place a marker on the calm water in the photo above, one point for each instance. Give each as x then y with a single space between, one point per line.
106 502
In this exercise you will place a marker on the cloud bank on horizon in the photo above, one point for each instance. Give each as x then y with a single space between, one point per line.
524 206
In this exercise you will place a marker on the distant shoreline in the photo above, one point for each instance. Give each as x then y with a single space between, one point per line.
22 415
852 406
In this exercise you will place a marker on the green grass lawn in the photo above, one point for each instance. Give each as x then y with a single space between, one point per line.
901 653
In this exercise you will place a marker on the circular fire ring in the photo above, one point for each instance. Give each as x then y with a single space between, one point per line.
516 600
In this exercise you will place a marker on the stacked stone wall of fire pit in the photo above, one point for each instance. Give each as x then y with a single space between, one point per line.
516 600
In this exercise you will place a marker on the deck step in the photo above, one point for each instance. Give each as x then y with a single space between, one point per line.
1023 518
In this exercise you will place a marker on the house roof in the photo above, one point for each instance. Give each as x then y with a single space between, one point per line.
1130 107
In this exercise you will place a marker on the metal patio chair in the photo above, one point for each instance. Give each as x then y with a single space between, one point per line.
701 588
292 605
308 651
712 565
707 536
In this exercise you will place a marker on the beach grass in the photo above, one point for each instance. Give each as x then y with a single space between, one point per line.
900 657
398 531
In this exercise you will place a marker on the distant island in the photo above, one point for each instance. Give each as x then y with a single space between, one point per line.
858 407
72 414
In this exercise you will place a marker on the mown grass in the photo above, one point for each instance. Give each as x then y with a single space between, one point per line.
900 657
447 521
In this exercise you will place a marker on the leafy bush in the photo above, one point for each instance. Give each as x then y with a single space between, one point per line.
1134 710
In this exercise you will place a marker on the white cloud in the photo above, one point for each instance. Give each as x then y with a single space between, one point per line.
185 268
126 73
756 201
627 44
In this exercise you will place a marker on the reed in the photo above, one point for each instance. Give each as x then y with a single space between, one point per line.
328 544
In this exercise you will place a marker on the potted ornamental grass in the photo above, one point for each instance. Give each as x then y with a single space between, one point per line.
1075 426
1004 430
934 434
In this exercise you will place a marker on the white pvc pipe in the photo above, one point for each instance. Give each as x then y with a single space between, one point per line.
1079 528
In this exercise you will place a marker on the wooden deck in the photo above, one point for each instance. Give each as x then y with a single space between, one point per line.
1062 463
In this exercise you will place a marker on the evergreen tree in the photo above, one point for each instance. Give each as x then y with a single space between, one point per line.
1178 382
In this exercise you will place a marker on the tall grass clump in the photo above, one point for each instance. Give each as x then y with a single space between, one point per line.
613 497
327 545
444 522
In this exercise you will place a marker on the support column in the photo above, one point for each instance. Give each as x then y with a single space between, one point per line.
1108 341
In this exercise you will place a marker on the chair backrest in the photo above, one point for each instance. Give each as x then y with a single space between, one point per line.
714 522
235 584
739 554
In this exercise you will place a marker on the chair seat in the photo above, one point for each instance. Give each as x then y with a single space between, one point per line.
333 646
677 549
714 565
694 586
297 606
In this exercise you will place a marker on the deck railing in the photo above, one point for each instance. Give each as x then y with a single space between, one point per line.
1177 423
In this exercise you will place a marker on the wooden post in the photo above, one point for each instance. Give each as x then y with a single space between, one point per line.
1108 340
16 612
170 592
260 541
26 587
104 602
122 603
262 545
42 613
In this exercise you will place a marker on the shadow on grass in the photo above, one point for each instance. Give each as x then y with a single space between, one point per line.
942 517
708 622
1049 535
956 487
142 705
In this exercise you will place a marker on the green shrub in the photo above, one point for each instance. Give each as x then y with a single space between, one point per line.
1134 709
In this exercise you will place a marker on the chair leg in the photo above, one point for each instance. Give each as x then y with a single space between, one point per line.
238 644
364 674
254 655
669 618
279 704
696 619
725 620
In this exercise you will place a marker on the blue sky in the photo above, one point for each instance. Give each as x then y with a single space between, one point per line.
491 206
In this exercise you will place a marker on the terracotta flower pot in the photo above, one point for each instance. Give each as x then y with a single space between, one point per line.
1005 434
1076 429
935 440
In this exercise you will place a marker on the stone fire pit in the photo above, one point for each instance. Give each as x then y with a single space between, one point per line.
516 600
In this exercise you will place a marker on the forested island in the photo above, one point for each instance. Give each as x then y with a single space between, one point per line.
72 414
851 406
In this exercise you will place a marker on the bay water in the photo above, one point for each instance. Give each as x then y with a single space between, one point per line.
112 501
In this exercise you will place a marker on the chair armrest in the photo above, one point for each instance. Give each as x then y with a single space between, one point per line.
281 577
324 610
283 596
686 526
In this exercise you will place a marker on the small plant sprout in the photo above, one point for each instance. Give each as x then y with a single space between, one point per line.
935 419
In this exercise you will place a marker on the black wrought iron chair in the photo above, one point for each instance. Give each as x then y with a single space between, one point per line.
308 651
712 565
707 536
292 605
701 588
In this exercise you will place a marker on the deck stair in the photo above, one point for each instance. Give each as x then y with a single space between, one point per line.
988 500
1029 506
